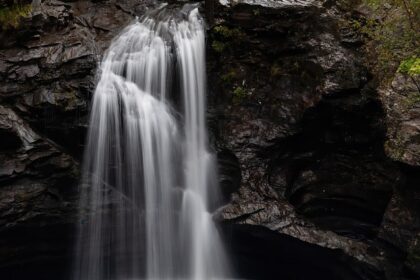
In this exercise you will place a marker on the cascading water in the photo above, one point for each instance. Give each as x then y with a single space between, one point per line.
148 172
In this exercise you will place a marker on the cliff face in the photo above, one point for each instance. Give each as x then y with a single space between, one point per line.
323 155
307 145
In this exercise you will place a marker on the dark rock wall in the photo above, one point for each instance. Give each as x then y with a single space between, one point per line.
292 100
307 145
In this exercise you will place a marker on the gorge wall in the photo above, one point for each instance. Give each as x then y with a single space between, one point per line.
319 166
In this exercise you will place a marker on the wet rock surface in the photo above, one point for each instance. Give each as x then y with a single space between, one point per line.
402 104
48 73
37 190
307 148
298 109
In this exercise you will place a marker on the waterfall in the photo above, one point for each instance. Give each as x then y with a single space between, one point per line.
148 175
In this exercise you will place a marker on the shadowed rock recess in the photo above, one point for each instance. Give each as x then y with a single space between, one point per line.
319 168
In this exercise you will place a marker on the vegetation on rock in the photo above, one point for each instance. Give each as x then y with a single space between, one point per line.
239 93
224 37
394 29
218 46
10 17
228 33
410 66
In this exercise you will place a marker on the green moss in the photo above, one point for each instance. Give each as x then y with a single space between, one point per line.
228 33
410 66
10 17
224 37
229 76
239 93
373 3
218 46
393 28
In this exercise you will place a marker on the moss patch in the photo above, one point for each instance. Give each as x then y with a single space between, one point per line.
218 46
229 77
223 38
239 94
410 66
10 17
392 28
228 33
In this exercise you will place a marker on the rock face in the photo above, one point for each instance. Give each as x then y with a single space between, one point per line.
297 108
37 191
401 100
47 67
306 146
401 225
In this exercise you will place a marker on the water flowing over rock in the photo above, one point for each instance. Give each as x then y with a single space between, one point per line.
149 179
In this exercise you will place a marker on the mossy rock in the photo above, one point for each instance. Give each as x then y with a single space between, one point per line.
410 66
228 33
10 17
223 37
218 46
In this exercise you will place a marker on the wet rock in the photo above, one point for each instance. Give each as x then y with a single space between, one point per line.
402 104
37 183
229 173
49 76
413 259
10 140
401 222
259 253
296 108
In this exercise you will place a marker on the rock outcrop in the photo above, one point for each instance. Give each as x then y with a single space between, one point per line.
401 224
401 100
299 110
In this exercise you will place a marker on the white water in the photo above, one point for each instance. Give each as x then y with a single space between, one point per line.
148 174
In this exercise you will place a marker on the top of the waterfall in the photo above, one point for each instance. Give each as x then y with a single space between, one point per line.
273 3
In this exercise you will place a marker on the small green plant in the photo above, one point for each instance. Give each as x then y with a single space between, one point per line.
228 33
224 37
229 76
410 66
10 17
393 27
218 46
239 93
